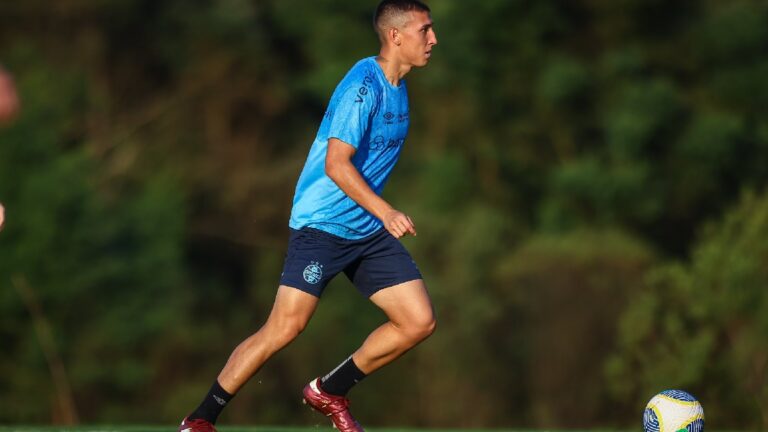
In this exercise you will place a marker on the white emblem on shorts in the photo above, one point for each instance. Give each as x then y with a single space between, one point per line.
313 272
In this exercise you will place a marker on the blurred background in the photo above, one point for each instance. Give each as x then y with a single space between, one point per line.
588 178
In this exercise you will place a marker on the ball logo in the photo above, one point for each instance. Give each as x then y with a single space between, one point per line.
313 272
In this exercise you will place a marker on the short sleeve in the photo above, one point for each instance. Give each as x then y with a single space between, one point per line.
351 117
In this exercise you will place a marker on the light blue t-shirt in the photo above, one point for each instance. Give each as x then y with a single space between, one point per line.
371 114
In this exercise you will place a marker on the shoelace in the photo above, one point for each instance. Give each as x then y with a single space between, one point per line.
338 406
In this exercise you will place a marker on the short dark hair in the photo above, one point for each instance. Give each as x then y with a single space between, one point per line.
388 7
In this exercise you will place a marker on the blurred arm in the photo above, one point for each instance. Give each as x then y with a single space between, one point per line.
9 100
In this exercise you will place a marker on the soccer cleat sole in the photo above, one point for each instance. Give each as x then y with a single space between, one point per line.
304 401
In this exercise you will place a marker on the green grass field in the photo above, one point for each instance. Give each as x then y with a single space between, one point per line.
171 428
168 428
318 428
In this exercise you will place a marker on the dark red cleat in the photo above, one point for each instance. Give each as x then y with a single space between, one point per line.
335 407
196 425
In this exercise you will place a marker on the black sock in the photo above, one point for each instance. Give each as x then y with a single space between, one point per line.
213 404
340 380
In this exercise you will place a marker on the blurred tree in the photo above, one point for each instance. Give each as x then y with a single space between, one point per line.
564 294
103 259
568 144
703 326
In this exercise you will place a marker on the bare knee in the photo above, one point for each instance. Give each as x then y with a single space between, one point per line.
284 330
428 327
420 329
291 328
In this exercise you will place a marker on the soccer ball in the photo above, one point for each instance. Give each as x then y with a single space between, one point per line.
673 411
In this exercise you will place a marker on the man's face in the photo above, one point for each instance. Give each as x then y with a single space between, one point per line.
417 38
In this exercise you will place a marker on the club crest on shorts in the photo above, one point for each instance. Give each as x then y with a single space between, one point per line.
313 272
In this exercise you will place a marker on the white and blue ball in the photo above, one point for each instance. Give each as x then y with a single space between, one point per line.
673 411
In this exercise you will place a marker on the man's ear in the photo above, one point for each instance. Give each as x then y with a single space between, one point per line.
394 36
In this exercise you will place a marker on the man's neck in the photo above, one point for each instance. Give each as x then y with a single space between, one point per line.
394 70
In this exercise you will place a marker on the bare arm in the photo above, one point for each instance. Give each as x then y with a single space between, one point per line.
339 167
9 100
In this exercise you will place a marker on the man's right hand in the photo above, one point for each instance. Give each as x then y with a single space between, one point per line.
398 224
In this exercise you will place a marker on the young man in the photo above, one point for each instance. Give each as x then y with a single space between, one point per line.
339 223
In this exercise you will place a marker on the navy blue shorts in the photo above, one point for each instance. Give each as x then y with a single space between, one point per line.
314 257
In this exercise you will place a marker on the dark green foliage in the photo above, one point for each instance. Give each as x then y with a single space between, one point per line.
707 319
564 160
102 259
564 294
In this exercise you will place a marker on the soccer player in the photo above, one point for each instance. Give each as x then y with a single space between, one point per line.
339 223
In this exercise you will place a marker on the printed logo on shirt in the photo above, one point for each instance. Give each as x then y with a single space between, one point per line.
379 143
365 87
389 118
